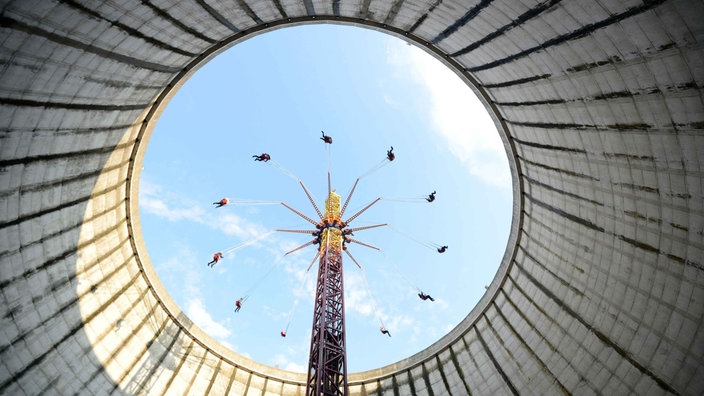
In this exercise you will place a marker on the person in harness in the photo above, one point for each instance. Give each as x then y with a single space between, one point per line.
221 202
263 157
327 139
424 296
216 257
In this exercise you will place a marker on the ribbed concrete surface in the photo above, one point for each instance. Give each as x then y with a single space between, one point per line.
602 105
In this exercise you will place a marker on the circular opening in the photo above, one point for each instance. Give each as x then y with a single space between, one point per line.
368 91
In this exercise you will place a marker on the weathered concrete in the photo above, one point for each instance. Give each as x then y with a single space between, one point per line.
602 284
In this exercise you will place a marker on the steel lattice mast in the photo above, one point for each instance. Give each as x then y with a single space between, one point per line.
327 365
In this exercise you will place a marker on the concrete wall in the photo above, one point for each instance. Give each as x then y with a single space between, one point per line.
602 285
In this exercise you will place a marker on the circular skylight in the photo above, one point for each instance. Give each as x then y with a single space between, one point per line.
274 94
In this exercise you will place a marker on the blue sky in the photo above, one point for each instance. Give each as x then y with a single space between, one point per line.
275 93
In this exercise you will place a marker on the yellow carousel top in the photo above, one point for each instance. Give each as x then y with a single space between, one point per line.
331 238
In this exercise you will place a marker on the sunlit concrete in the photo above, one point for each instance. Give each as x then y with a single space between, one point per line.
601 289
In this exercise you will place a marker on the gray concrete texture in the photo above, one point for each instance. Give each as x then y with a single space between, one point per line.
600 102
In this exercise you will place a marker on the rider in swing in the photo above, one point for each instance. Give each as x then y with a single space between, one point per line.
263 157
327 139
424 296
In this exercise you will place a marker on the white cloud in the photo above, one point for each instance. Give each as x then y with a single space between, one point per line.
448 327
191 285
357 297
457 115
360 301
152 205
295 367
156 200
441 304
183 263
390 101
400 323
304 281
228 345
282 361
276 315
231 224
199 315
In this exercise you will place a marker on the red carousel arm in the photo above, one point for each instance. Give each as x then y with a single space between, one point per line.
342 211
355 261
301 247
354 216
364 227
317 254
309 232
311 199
300 214
363 244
